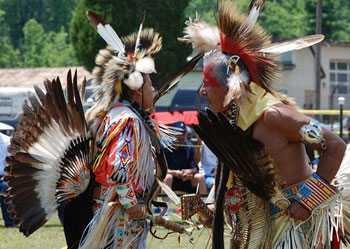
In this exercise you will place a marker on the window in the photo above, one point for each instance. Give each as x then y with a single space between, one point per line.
339 77
287 60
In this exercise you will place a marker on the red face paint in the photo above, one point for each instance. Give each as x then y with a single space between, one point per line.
209 78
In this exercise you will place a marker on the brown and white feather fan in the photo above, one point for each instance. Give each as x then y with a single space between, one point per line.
49 155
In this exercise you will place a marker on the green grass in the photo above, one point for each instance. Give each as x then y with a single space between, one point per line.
51 236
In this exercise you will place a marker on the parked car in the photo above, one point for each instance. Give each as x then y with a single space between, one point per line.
6 129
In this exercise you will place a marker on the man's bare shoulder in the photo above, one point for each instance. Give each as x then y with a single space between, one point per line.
284 118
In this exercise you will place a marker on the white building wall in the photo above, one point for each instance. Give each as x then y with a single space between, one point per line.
340 54
296 82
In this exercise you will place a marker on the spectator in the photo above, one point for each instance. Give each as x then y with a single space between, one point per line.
4 143
206 161
182 170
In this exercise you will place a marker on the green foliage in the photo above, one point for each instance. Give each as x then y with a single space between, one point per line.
52 14
284 19
335 19
33 44
165 16
9 57
57 51
288 19
46 49
205 9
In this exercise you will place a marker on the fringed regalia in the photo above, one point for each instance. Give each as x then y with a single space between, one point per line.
124 166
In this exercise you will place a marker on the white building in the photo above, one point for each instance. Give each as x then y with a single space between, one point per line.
298 75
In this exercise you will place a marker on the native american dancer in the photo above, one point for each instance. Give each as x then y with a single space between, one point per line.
106 167
264 182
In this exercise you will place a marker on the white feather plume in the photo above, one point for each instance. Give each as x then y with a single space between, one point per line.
252 17
134 81
293 44
234 88
138 41
111 38
203 36
145 65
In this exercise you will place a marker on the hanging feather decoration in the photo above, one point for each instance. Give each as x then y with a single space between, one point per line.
241 153
49 155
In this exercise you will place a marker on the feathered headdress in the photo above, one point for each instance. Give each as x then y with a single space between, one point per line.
240 50
122 62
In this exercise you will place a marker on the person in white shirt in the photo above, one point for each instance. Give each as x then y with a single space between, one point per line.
206 161
4 143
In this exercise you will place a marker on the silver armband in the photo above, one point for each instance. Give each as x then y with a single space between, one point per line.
311 134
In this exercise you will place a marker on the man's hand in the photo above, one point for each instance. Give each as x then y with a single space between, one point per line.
187 174
297 211
136 211
205 221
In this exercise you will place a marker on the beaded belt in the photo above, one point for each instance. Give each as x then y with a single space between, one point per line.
289 193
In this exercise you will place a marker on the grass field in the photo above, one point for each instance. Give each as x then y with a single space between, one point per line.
51 236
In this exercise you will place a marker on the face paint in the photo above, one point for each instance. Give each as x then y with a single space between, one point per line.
209 77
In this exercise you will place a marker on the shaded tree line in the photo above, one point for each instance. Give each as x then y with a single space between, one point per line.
39 33
35 33
290 19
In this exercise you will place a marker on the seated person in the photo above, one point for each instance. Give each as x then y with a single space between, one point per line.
182 170
206 161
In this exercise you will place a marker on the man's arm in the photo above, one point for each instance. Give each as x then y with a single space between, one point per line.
288 122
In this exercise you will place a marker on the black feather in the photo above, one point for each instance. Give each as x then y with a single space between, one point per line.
240 152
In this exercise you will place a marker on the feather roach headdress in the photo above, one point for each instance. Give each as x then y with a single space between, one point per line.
122 62
240 51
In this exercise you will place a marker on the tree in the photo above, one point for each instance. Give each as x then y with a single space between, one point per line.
52 14
335 19
9 57
205 8
34 38
289 19
165 16
57 52
284 19
46 49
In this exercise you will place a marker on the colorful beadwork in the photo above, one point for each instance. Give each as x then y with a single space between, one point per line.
314 192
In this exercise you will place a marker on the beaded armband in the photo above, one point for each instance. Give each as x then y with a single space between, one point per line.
311 134
314 192
126 195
